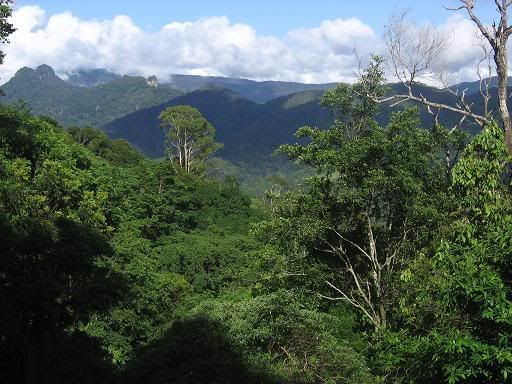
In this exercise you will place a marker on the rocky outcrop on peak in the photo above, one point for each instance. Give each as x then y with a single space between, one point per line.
45 72
152 81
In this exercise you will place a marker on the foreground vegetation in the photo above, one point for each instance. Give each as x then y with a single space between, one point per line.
391 263
110 259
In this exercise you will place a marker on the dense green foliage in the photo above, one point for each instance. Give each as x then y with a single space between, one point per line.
390 263
456 307
117 152
115 267
55 220
378 193
420 250
270 339
375 194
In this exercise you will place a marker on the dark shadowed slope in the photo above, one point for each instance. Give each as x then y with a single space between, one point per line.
251 132
226 110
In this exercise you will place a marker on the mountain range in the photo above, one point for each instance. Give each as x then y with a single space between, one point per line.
47 94
249 131
251 118
259 92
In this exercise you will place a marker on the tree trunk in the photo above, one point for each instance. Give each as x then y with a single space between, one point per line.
500 57
383 317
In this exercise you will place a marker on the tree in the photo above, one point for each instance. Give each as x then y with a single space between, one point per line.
381 194
455 309
413 51
6 28
189 137
54 227
376 192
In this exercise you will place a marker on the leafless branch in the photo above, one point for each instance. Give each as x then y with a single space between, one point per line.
496 36
412 52
366 289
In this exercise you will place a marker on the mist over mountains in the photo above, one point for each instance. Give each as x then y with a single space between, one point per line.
257 91
251 118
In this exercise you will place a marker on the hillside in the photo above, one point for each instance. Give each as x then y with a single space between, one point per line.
249 131
47 94
128 107
259 92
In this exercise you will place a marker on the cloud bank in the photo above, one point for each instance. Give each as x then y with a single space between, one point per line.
209 46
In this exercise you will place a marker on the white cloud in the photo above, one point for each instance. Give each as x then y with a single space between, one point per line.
208 46
463 52
211 46
29 17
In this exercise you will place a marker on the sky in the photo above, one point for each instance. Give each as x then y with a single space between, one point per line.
301 40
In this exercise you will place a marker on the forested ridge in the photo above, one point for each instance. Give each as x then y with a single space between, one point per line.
70 104
386 258
116 267
128 107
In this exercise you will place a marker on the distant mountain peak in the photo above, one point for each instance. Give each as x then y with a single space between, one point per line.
89 78
42 74
45 72
152 81
23 71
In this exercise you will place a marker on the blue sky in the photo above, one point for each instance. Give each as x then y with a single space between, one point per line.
303 40
269 17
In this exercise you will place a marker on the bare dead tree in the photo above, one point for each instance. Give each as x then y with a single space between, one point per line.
412 52
273 193
497 36
366 290
485 78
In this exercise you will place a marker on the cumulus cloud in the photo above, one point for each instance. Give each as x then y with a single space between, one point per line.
463 51
210 46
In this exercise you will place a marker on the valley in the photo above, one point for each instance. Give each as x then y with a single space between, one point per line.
237 193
